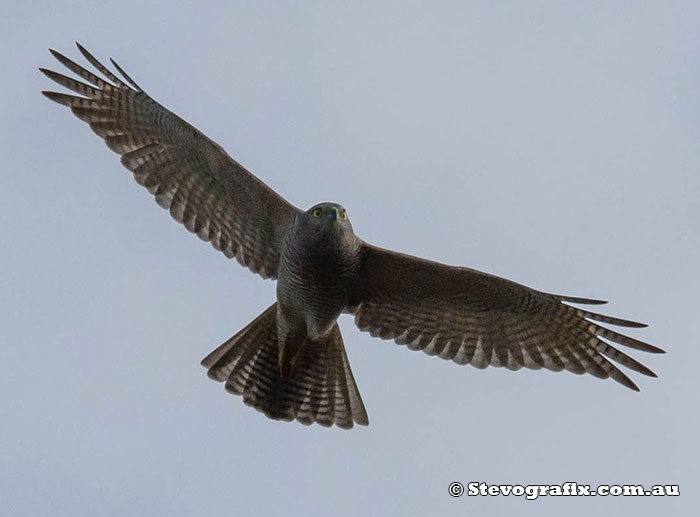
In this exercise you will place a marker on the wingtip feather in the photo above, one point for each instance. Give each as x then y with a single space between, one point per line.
624 380
60 98
125 75
58 55
579 300
652 349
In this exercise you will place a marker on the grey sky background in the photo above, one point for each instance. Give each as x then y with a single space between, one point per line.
553 143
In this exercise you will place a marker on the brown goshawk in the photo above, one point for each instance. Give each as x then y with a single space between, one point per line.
290 362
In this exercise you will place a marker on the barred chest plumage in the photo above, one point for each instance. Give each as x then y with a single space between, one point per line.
318 269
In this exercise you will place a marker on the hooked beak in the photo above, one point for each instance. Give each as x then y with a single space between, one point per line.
333 214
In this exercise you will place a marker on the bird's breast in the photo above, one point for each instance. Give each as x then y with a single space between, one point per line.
315 288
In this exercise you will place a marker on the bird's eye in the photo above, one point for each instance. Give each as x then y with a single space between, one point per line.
317 213
344 216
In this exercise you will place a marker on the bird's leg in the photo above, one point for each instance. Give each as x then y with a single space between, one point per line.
289 351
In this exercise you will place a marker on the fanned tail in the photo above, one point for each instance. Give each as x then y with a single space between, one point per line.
321 388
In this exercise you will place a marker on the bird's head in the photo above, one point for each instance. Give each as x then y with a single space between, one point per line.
329 215
325 218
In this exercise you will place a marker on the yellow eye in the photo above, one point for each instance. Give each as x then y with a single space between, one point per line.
344 216
317 213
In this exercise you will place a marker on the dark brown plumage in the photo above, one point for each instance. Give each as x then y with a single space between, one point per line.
290 362
191 176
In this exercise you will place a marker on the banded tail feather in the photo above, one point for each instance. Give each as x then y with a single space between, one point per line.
320 389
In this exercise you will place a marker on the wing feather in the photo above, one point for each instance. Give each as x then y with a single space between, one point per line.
191 176
474 318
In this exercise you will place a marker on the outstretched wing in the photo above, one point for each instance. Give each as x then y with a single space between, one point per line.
190 175
479 319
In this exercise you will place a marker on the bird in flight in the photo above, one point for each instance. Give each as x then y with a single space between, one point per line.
290 362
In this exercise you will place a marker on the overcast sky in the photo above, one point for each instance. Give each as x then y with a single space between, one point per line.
553 143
